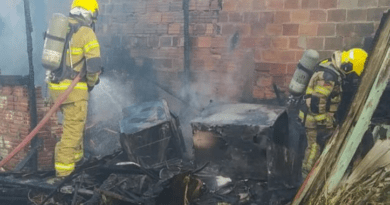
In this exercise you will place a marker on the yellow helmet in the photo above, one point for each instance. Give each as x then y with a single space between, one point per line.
353 60
90 5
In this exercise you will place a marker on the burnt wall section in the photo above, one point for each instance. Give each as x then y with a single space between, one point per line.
138 36
15 125
239 48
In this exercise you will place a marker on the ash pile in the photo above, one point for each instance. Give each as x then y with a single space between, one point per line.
243 154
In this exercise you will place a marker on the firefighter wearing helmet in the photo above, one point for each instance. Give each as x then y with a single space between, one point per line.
81 55
322 98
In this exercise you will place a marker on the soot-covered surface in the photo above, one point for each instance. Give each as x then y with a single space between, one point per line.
150 134
247 141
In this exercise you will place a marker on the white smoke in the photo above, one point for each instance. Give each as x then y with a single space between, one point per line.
13 44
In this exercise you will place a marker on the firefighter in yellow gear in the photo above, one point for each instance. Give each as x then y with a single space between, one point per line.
322 98
82 56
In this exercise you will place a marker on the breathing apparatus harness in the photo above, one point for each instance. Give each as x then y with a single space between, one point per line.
64 71
332 73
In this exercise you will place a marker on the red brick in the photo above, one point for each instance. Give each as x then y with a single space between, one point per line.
251 17
300 16
166 41
174 28
247 43
277 69
267 17
257 56
318 15
258 5
344 29
291 67
290 29
228 29
334 43
357 15
258 93
218 42
20 89
291 4
264 67
328 4
298 55
167 18
368 3
348 4
278 80
316 43
269 93
287 56
384 3
264 81
352 42
243 5
274 29
235 17
328 29
325 54
258 29
280 43
294 43
364 29
21 107
245 29
274 4
10 106
288 79
6 90
223 17
308 29
20 93
154 17
282 17
230 5
337 15
312 4
270 55
375 14
263 42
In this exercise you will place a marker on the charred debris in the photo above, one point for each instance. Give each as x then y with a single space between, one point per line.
242 154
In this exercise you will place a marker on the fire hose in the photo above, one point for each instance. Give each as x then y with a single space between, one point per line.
32 134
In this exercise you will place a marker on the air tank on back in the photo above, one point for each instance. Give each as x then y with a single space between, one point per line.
55 41
303 72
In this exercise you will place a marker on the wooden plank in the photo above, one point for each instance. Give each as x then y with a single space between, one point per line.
355 137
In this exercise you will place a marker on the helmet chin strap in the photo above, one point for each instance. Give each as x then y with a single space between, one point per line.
336 61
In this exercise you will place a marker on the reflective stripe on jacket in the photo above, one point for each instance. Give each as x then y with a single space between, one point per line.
323 93
84 49
80 91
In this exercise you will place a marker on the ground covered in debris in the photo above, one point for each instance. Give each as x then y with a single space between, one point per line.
141 160
113 180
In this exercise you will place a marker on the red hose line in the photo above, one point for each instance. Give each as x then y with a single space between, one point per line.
30 136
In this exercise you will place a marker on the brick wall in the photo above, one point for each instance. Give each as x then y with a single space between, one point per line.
15 125
237 46
323 25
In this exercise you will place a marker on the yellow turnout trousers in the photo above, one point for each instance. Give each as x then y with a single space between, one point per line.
70 149
315 126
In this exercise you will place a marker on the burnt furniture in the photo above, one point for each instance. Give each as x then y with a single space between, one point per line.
150 134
